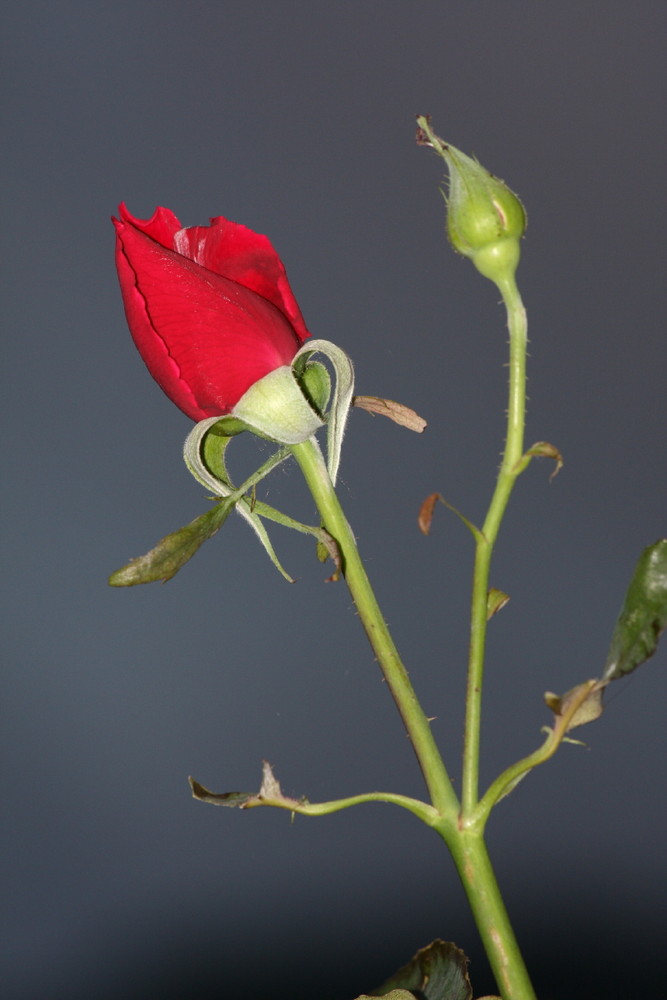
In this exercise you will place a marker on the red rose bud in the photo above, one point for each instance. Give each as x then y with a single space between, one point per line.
209 308
485 220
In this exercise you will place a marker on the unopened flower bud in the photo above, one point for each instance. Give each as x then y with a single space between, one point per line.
485 220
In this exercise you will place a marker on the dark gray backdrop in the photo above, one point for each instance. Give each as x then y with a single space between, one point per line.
297 119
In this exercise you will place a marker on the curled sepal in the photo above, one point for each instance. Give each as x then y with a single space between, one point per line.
341 399
437 972
315 381
541 449
643 615
172 552
397 412
204 455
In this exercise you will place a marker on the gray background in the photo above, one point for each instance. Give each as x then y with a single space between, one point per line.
297 119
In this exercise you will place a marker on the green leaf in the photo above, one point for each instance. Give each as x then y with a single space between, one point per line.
437 972
643 615
173 551
635 638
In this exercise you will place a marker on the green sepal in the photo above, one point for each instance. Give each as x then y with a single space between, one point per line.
202 458
341 398
327 546
166 558
643 615
204 453
315 382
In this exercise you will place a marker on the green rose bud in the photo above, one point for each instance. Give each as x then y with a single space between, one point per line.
485 220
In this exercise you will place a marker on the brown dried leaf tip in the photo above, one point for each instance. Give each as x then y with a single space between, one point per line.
426 513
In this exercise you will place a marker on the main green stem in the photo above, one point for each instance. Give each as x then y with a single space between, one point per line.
315 472
479 881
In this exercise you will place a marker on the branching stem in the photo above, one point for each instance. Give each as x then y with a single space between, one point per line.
461 825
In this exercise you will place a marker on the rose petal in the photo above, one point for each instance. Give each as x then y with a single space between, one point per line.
204 337
232 251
